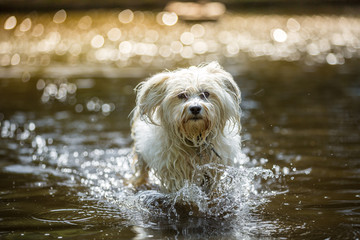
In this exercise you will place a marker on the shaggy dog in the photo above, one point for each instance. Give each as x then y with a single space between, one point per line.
183 120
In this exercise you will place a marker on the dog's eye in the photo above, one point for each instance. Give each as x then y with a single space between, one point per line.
204 95
182 96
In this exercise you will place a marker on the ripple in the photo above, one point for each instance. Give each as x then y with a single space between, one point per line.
64 216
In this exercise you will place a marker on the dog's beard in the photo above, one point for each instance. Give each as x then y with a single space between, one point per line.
195 131
186 128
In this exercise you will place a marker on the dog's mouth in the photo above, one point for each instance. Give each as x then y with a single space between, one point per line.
195 118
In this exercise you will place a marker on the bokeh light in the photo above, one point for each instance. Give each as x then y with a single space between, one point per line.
162 40
97 41
85 22
279 35
10 23
169 19
114 34
126 16
25 25
60 16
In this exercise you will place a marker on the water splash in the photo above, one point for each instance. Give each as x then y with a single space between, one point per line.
234 202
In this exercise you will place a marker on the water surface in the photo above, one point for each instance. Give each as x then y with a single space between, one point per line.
65 148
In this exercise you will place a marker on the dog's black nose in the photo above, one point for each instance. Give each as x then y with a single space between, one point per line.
195 109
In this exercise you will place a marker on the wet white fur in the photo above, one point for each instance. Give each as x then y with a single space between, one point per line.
168 142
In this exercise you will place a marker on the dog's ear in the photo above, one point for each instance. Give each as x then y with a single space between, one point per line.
227 81
150 94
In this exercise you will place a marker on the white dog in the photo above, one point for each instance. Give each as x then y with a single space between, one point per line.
185 119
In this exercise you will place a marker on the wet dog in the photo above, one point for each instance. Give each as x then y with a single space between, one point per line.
184 120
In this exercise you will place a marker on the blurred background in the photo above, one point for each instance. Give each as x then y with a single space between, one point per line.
160 4
164 35
67 74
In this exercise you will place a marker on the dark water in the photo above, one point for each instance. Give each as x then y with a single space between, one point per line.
65 147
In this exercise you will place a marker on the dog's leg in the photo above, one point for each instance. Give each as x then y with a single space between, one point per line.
141 172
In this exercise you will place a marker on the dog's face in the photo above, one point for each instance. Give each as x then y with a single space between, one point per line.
193 104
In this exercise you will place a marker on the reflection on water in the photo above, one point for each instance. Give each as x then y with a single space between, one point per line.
66 81
152 39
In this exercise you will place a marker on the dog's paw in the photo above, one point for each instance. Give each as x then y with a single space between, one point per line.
139 183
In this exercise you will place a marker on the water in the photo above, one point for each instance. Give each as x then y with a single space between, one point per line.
65 146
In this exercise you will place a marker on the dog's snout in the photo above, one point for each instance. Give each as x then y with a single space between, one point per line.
195 109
